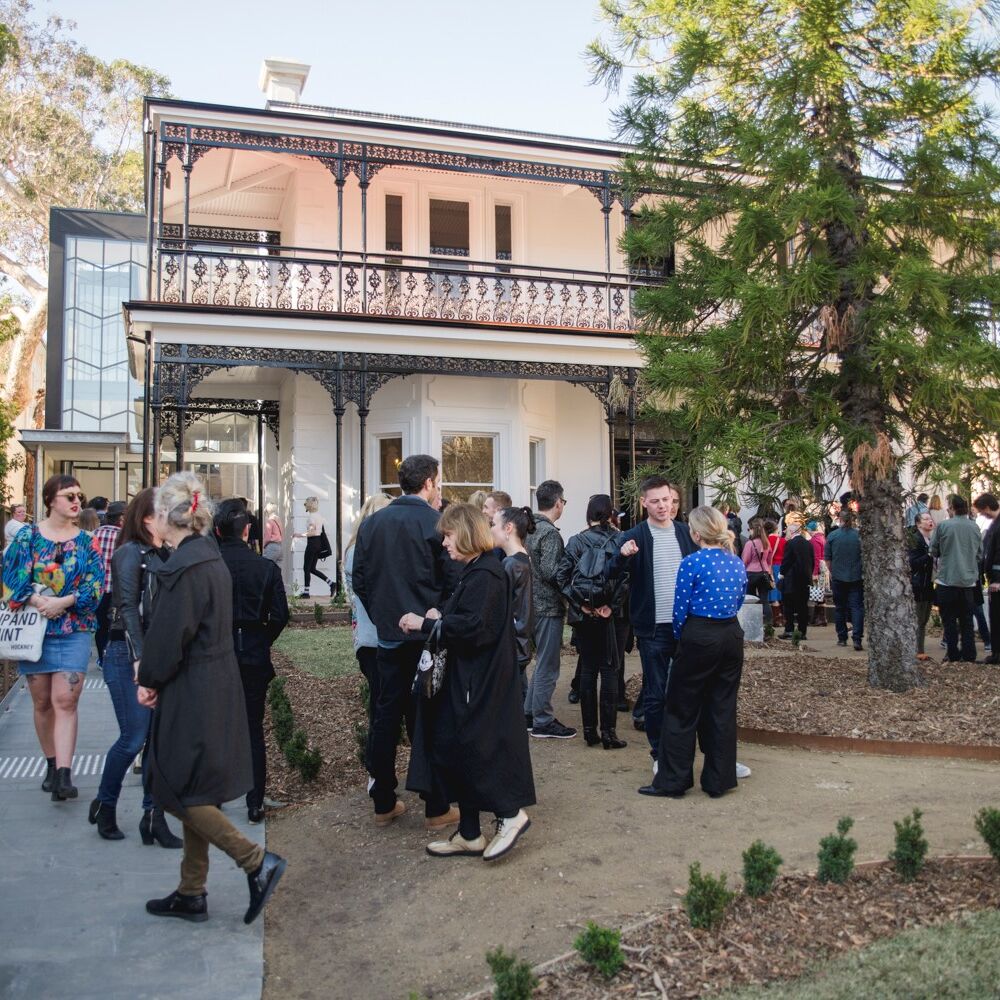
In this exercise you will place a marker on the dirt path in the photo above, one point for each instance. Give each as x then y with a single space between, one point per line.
364 912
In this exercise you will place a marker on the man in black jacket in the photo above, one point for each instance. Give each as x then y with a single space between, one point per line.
401 566
260 612
988 505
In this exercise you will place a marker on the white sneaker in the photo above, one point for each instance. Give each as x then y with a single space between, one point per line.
742 771
508 830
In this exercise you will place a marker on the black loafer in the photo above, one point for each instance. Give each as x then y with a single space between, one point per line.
262 883
639 724
193 908
659 793
574 698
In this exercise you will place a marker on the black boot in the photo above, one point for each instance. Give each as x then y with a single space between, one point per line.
50 774
610 741
193 908
153 828
590 736
63 787
106 820
262 883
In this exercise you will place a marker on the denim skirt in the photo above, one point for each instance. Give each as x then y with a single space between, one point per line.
61 654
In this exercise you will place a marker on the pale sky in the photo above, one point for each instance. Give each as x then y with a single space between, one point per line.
510 63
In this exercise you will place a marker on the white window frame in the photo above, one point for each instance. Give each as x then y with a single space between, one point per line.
491 433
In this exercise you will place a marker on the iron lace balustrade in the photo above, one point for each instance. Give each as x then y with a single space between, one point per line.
393 285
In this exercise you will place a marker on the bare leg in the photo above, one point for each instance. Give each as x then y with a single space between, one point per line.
40 686
66 689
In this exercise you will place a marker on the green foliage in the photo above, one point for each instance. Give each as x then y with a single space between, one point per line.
601 948
513 977
318 613
294 748
768 631
760 868
911 846
292 742
706 898
361 738
796 637
988 827
836 853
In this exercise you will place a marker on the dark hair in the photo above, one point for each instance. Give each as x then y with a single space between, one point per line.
231 518
548 494
922 497
770 525
600 508
415 470
655 483
986 501
522 518
959 504
847 518
133 527
99 503
53 485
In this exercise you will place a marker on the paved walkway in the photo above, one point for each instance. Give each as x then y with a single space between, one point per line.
72 919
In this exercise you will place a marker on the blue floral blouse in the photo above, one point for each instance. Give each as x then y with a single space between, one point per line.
69 567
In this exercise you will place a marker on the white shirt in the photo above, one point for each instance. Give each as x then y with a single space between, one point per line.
11 528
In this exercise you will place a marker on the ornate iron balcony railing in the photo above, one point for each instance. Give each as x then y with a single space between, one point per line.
420 289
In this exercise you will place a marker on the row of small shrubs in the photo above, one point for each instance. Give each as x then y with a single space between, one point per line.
291 741
708 896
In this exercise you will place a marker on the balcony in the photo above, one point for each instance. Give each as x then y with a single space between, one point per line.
417 289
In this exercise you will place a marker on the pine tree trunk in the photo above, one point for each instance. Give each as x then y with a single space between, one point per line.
890 618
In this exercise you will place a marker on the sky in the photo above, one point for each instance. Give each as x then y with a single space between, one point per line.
508 63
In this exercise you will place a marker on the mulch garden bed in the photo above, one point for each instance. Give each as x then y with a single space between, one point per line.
801 922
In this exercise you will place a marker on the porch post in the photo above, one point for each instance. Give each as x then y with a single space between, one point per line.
161 170
155 472
338 412
146 391
631 421
150 212
116 492
362 428
179 440
340 180
260 476
609 411
187 218
40 478
607 200
363 183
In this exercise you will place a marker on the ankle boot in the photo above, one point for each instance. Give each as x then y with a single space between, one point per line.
153 828
63 787
590 737
610 741
106 820
50 774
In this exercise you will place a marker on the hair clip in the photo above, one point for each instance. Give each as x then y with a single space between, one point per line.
194 501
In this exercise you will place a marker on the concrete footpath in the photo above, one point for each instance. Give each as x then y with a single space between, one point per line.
72 914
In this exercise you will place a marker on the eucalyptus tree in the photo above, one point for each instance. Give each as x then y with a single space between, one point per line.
827 171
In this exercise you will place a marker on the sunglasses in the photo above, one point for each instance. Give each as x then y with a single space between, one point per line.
72 496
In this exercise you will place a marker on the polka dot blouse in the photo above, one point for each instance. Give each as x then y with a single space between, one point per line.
710 584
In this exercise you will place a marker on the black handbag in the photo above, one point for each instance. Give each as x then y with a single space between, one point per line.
324 546
433 660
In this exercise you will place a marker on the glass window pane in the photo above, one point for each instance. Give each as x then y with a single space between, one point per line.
466 464
503 234
394 223
449 227
390 456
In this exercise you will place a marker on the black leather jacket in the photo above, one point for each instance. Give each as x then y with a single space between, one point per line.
601 537
132 588
518 568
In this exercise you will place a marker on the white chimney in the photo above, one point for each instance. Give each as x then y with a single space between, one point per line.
283 79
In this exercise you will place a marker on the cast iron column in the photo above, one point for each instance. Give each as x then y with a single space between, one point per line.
338 412
260 479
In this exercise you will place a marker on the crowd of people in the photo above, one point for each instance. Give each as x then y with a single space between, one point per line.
458 615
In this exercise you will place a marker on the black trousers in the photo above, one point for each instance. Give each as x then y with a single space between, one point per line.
103 614
994 612
255 684
956 605
368 662
622 629
310 560
702 691
595 639
795 603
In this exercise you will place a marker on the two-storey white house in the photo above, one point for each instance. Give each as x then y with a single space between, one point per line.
327 291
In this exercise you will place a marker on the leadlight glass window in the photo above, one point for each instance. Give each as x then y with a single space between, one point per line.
390 457
394 223
536 467
449 227
501 214
467 464
222 433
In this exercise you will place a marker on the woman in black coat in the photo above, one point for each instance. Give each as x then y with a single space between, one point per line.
796 576
470 739
199 753
922 575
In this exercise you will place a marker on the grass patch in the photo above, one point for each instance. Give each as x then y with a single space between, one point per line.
956 961
323 652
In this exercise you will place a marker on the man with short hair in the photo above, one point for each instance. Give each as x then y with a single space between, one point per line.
843 559
988 506
957 544
105 538
497 500
260 612
918 507
401 566
651 552
545 550
100 504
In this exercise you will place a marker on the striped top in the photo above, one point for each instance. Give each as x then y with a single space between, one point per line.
666 563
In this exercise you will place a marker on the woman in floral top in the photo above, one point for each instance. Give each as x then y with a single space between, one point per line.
62 561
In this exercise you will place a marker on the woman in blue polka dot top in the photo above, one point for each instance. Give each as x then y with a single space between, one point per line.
705 673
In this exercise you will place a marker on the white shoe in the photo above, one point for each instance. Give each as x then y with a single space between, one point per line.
456 846
742 771
508 830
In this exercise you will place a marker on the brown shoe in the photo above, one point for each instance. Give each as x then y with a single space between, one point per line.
384 819
450 818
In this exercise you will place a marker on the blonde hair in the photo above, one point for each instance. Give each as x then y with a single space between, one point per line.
311 504
711 526
270 509
184 500
477 499
375 502
935 503
467 524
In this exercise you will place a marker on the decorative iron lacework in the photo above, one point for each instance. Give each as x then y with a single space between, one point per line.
217 234
268 409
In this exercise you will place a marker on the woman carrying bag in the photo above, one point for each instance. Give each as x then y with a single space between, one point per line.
54 567
317 546
756 558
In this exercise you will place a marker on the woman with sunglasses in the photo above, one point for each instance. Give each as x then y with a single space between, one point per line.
55 568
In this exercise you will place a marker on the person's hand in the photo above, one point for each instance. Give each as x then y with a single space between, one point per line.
51 607
433 614
603 611
630 548
135 671
995 588
411 622
146 696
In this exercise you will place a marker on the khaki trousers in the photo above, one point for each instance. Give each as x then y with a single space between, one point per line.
204 825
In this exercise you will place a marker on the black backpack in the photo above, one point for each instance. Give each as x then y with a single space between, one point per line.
591 583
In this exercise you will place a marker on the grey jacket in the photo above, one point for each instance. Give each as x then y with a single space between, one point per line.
545 549
957 544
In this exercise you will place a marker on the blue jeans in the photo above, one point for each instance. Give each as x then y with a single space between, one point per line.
548 645
133 721
656 654
849 598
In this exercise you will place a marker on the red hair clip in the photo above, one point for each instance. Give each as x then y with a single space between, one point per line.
194 501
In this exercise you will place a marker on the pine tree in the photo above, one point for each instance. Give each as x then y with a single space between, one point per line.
827 171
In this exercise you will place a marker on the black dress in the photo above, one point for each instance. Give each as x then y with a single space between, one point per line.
470 742
796 576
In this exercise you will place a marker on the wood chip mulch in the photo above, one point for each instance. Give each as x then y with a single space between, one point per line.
801 922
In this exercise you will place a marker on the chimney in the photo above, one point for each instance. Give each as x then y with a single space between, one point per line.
283 79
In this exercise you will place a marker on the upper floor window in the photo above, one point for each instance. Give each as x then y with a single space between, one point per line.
449 227
393 223
232 433
501 216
